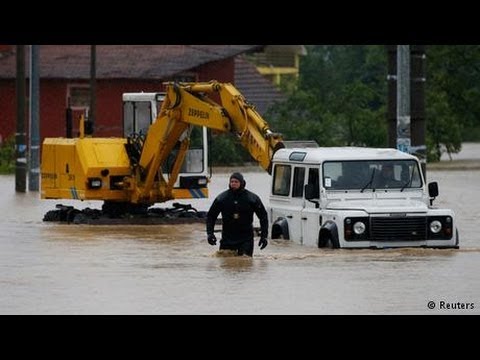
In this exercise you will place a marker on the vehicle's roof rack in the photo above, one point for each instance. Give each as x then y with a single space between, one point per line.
300 144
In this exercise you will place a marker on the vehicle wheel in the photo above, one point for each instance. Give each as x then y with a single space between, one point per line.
334 243
323 241
326 239
277 233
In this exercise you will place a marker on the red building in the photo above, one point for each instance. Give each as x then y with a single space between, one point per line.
65 79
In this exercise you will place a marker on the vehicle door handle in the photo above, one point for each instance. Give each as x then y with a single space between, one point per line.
289 216
304 218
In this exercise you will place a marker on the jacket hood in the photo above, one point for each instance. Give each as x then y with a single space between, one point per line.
239 177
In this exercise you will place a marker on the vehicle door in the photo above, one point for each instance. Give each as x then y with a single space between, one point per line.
281 203
310 218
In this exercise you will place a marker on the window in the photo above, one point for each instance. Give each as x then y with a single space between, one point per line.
371 174
194 160
281 180
297 156
313 179
78 96
298 180
136 117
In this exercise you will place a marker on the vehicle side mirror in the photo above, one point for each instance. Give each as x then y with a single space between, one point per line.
432 191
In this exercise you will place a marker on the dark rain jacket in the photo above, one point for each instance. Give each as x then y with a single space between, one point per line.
237 208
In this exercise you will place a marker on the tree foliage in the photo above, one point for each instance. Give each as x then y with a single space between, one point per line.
7 156
225 150
340 98
453 93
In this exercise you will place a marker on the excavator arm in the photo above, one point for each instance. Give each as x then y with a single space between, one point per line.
193 104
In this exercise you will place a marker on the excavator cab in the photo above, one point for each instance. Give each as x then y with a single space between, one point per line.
140 110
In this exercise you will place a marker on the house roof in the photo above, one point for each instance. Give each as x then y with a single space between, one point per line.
122 61
254 86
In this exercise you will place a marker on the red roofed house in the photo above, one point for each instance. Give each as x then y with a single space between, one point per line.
65 78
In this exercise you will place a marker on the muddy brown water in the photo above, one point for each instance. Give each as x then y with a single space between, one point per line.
51 268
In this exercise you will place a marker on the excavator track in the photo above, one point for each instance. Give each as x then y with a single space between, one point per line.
178 214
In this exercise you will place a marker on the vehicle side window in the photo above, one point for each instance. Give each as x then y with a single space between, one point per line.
298 181
281 180
313 179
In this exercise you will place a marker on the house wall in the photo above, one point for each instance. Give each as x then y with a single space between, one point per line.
223 71
109 119
5 48
7 108
53 104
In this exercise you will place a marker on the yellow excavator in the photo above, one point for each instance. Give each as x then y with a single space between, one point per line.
133 173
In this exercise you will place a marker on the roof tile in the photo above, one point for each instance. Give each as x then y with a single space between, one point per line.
254 86
122 61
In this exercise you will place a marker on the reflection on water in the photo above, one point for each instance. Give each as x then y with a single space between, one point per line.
228 253
82 269
236 263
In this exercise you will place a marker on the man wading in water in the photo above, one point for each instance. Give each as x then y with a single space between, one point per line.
237 206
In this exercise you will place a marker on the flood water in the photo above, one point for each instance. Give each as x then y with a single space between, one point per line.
50 268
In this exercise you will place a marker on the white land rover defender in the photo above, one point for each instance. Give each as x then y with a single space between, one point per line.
354 197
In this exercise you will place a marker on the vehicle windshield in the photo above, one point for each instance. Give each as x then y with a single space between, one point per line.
371 174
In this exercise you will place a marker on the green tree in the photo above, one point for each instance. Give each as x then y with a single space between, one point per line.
443 127
226 150
341 94
340 97
453 93
7 156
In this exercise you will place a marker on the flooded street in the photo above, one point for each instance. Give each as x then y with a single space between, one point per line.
49 268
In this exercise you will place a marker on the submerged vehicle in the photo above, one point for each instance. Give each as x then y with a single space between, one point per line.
354 197
153 163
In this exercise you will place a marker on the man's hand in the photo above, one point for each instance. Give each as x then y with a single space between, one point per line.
212 240
263 243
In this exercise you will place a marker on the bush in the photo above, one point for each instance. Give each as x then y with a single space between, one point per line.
7 156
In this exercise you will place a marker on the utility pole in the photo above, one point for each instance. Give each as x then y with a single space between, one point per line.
34 163
406 88
20 146
419 124
93 89
403 98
